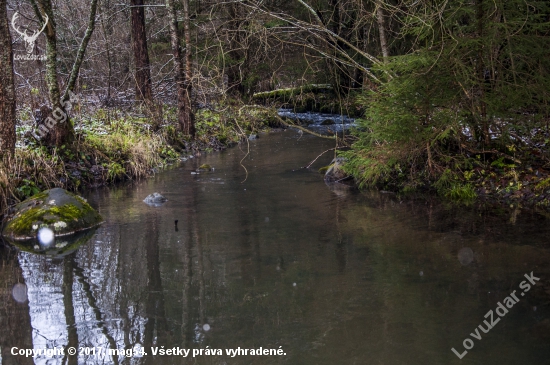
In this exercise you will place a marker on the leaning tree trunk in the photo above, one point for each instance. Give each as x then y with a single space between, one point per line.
7 88
81 51
141 55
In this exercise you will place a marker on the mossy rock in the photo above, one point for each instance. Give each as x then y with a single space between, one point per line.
57 209
204 167
335 173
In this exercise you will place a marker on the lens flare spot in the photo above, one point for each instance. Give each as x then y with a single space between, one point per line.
45 236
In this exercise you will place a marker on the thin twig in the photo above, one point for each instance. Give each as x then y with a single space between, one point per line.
316 158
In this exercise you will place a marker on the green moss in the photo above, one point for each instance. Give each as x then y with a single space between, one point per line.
543 185
71 215
67 212
324 169
25 221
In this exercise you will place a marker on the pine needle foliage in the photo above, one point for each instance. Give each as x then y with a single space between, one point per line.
477 77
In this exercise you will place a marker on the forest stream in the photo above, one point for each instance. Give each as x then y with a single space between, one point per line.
267 255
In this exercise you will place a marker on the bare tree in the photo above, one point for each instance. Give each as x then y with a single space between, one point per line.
7 88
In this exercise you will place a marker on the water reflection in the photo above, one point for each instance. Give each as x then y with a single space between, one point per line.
331 277
47 244
15 321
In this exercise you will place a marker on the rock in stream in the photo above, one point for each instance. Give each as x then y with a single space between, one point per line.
56 211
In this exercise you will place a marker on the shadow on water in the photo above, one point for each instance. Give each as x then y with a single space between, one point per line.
330 275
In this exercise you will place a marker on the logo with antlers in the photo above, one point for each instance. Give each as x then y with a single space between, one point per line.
29 39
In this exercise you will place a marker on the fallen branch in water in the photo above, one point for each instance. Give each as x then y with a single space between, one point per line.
316 158
304 129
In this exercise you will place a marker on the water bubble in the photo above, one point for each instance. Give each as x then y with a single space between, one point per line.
45 236
19 293
206 327
266 219
293 284
421 273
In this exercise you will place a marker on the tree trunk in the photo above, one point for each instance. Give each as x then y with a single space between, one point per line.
81 51
178 63
343 76
7 89
189 128
382 30
481 75
107 34
58 129
141 55
237 69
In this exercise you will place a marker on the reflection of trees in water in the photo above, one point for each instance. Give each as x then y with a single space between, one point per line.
192 324
92 303
15 321
356 267
72 333
154 305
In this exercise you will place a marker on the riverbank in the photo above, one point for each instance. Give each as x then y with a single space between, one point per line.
517 175
113 145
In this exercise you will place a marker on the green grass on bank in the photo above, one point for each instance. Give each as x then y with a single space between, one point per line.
114 145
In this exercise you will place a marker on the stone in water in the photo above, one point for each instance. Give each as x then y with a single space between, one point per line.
155 199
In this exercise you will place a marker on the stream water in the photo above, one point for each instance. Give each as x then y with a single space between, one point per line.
320 122
272 257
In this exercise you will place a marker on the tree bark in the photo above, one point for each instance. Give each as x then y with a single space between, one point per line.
141 55
7 88
178 63
481 74
382 30
107 33
60 131
189 128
